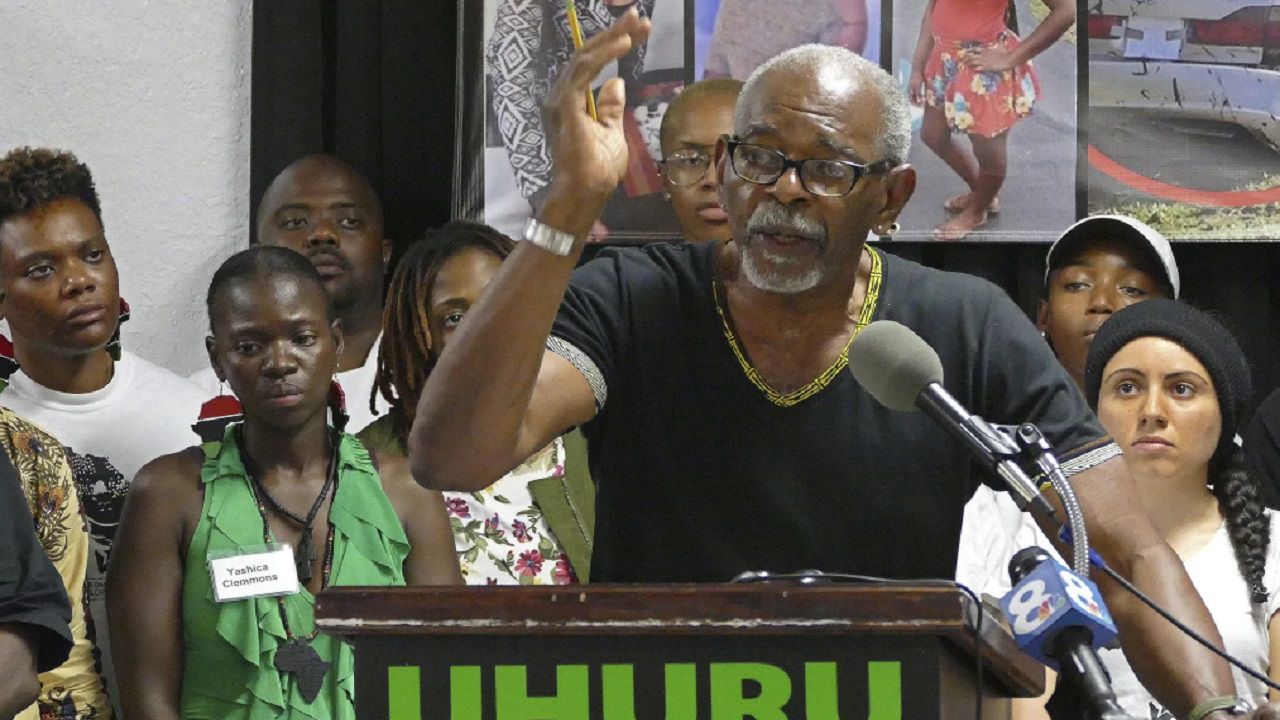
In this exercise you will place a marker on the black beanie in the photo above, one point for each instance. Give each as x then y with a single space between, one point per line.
1202 336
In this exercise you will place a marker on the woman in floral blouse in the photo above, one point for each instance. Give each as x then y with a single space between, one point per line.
534 525
74 689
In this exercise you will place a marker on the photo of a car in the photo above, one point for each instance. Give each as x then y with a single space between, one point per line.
1183 129
1192 59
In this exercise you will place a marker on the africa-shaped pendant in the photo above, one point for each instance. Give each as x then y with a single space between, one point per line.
299 659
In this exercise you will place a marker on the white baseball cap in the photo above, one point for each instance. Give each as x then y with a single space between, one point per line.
1151 242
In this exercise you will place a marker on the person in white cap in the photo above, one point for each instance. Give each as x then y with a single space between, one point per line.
1097 266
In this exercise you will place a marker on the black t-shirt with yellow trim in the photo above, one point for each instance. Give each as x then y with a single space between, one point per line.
703 471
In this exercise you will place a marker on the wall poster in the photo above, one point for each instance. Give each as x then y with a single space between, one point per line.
1027 114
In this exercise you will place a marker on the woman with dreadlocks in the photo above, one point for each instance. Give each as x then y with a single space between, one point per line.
534 525
1172 386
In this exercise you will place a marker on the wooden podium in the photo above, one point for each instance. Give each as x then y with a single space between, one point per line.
768 651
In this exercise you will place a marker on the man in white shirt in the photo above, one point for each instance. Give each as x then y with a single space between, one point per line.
325 209
59 292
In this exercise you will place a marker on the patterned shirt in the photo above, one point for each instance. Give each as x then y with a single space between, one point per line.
530 45
500 534
74 690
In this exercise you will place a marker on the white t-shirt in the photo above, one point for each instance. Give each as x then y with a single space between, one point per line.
994 530
357 383
1216 575
143 413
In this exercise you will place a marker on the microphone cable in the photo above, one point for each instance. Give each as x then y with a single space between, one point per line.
1066 493
1146 600
1065 535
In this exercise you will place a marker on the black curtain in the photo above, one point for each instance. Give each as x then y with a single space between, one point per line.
373 82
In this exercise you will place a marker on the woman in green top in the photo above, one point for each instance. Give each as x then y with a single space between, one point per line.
283 476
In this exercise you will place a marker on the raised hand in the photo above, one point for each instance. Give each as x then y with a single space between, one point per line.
590 156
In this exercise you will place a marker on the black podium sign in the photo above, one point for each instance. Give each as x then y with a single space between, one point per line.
762 653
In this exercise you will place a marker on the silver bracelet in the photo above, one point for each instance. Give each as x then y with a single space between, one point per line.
556 242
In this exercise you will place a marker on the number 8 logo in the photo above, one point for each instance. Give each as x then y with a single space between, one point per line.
1025 607
1080 593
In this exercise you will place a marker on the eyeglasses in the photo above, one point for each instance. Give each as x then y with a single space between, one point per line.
685 167
828 178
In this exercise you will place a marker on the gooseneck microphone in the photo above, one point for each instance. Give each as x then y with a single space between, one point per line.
899 369
1059 618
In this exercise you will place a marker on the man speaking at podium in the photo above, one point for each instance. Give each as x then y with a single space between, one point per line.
724 432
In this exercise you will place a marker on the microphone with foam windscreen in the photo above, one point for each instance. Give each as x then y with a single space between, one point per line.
899 369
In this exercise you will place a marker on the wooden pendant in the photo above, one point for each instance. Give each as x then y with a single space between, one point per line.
299 659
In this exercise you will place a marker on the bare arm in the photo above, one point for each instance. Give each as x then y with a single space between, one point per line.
1033 708
924 46
496 396
1062 14
431 559
144 585
1177 671
18 684
924 43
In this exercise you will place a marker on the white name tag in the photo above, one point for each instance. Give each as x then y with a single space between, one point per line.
250 575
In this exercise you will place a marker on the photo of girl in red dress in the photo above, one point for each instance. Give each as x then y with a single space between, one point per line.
974 77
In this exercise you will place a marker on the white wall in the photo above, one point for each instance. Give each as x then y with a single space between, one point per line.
154 97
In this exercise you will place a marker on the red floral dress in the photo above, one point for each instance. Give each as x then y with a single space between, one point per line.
977 102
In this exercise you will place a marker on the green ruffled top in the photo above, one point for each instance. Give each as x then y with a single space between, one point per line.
229 648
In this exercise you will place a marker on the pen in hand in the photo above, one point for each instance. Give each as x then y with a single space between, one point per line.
576 31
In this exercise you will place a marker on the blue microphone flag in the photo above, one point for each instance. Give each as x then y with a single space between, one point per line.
1050 599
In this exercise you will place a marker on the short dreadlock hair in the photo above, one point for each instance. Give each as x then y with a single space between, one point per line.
404 357
33 177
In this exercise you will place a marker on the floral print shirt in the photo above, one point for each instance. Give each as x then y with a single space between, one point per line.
500 534
73 690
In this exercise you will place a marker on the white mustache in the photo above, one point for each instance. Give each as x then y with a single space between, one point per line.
776 219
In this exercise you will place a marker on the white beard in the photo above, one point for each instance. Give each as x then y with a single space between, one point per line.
775 281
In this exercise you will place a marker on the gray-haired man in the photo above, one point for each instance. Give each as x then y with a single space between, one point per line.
723 431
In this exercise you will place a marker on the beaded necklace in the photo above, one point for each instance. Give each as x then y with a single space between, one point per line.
297 657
